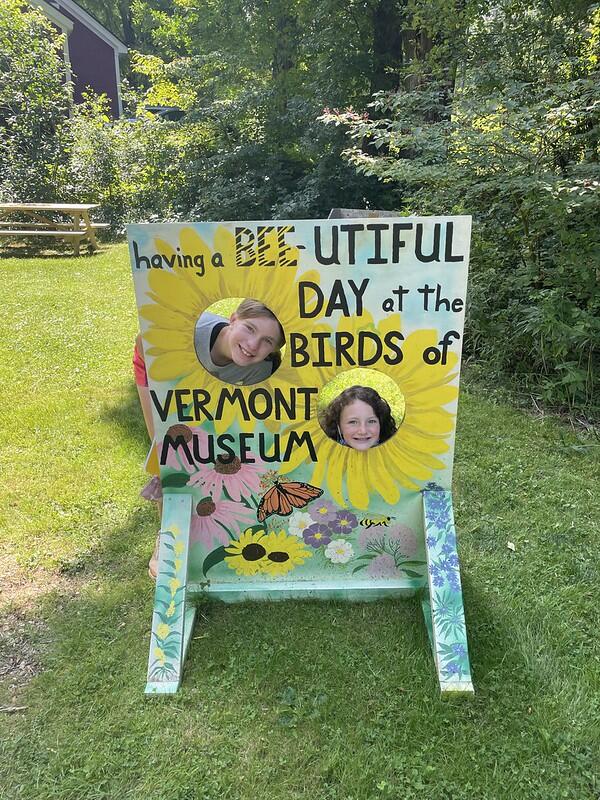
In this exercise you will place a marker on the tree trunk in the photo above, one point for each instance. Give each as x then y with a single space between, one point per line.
126 22
387 46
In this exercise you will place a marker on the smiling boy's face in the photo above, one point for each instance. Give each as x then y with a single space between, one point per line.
359 425
252 340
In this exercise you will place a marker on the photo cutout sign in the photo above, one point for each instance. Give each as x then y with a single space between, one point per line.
304 382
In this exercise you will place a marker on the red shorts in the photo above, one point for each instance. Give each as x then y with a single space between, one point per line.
139 368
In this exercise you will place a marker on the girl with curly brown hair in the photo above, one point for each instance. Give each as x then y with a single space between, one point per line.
359 418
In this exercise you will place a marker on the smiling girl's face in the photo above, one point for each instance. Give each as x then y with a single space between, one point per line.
359 425
252 340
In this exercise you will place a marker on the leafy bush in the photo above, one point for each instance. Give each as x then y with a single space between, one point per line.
136 169
34 102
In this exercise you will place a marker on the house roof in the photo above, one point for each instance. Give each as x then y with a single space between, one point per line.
52 8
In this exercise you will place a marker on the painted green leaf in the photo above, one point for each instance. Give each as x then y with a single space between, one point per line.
214 557
411 573
176 480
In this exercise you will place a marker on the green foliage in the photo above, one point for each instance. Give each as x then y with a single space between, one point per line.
136 169
33 105
516 146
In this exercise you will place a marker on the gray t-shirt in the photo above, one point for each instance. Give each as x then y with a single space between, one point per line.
230 373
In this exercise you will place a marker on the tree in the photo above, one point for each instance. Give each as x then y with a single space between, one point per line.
34 103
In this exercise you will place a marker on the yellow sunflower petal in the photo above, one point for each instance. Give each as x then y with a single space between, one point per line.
170 366
357 481
379 475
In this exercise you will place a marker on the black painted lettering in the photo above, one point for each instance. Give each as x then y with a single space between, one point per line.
435 247
390 341
397 240
334 257
449 256
245 254
163 411
298 350
377 228
352 230
303 287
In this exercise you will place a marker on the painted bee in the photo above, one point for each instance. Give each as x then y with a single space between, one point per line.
376 521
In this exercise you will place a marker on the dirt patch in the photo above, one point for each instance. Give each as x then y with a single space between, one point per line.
22 643
20 588
24 637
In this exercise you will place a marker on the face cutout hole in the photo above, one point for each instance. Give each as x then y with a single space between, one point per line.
239 341
361 408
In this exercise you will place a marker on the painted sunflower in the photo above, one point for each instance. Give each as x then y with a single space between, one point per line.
283 553
247 554
180 296
412 453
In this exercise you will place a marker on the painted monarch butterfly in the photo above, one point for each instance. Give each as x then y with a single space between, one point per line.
283 498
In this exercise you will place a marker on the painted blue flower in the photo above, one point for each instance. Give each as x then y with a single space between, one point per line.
459 649
452 668
438 510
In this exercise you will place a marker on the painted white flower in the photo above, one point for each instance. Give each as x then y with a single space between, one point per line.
299 522
339 551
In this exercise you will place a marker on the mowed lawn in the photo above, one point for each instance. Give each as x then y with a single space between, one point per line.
310 701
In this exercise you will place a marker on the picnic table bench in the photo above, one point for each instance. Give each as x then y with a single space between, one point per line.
68 221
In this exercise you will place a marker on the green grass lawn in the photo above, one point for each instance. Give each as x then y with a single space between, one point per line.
293 701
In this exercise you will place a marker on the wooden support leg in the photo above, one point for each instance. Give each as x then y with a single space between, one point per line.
443 604
91 234
172 619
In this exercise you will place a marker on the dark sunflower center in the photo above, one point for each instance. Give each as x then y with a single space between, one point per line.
278 557
227 467
180 430
205 507
254 551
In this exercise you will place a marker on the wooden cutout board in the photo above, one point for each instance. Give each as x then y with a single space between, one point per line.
386 295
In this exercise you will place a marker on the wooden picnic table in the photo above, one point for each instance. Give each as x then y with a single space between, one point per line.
68 221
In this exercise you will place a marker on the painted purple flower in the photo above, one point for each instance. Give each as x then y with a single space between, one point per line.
406 537
323 511
344 522
317 534
382 566
398 533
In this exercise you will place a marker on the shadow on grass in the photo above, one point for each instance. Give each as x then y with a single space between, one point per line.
38 250
127 415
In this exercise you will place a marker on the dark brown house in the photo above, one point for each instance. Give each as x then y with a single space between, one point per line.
91 51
